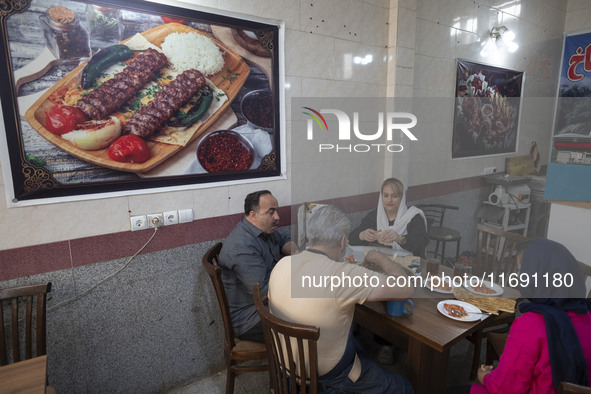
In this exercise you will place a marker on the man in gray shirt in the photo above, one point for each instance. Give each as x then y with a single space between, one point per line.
248 256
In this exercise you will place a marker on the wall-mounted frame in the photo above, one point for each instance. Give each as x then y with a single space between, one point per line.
45 47
574 90
486 110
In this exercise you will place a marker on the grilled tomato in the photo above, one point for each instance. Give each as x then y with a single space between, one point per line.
129 149
62 119
167 19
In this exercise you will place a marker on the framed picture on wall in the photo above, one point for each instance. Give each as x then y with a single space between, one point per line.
574 91
486 110
125 97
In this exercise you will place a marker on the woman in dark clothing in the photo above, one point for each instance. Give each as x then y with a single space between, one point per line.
393 223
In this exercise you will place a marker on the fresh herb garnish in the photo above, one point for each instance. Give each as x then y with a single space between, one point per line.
230 76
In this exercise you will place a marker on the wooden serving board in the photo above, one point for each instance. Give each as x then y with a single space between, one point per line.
224 34
233 65
38 67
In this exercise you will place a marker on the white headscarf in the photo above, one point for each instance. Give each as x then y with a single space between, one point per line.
403 217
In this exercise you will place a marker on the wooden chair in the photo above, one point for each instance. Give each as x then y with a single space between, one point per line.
435 215
586 270
496 250
571 388
292 350
496 253
236 351
23 310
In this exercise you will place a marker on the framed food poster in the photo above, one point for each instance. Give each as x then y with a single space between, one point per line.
486 110
125 97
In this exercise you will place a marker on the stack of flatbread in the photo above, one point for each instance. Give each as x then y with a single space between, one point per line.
381 241
406 262
492 305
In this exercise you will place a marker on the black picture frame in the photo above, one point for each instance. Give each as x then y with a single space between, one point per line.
487 109
33 179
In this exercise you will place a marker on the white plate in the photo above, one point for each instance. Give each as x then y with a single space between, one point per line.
476 315
493 286
447 280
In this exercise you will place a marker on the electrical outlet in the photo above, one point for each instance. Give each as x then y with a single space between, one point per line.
171 217
185 215
490 170
159 217
139 222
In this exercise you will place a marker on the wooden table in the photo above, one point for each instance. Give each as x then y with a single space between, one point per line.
427 334
23 377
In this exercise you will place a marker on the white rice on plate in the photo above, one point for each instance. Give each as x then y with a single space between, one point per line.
192 50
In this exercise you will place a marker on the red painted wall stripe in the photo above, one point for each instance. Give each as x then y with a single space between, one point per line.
32 260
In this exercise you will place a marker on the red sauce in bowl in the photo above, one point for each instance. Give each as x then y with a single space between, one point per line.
257 107
224 151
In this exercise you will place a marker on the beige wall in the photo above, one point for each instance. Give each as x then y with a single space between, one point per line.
447 30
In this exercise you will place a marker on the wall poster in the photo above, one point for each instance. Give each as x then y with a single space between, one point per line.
120 96
574 93
486 113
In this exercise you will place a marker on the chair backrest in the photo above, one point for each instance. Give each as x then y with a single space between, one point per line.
210 263
571 388
303 215
435 213
290 348
23 312
497 250
586 270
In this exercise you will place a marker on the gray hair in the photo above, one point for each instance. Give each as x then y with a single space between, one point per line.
327 225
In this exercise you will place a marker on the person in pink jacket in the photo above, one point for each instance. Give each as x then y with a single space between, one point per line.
551 341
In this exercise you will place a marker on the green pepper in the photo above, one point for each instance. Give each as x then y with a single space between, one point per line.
35 160
101 60
196 111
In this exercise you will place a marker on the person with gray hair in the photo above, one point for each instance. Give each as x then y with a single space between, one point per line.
316 287
328 225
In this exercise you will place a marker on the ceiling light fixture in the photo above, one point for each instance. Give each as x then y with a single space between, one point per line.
363 60
500 38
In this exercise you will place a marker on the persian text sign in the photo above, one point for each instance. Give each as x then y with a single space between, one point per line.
575 86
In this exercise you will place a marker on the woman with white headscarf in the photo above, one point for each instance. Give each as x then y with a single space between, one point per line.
393 223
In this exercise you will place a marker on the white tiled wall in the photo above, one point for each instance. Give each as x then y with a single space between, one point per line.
578 15
447 30
414 44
